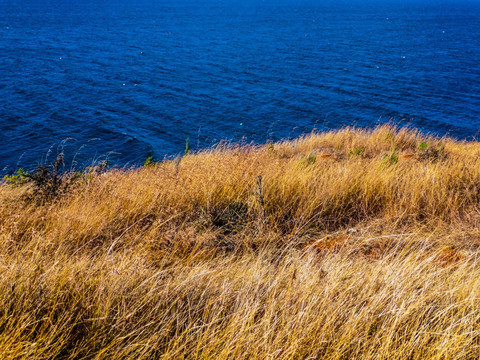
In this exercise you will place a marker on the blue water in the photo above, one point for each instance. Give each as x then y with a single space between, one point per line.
127 79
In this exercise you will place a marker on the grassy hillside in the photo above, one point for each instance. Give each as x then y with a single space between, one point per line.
339 245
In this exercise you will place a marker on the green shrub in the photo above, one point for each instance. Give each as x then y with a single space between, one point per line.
422 146
357 151
18 178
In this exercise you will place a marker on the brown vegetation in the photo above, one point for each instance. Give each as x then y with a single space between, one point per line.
339 245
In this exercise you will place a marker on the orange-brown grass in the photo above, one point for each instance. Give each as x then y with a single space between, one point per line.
340 245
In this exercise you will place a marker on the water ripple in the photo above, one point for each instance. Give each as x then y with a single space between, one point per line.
129 79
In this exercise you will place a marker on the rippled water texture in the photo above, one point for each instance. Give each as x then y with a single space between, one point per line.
128 79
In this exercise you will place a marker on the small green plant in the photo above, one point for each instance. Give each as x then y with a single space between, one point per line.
20 177
149 161
270 147
423 146
308 160
357 151
187 146
434 153
391 158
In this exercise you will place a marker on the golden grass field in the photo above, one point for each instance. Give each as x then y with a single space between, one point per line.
352 244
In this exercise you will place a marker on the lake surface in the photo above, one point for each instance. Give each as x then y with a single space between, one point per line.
128 79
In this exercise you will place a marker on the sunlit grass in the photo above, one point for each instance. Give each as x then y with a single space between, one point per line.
339 245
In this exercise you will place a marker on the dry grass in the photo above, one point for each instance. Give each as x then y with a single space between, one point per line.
340 245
